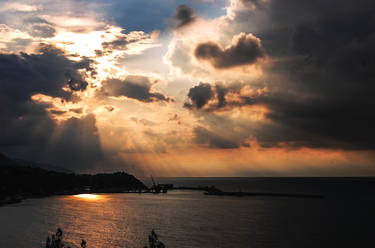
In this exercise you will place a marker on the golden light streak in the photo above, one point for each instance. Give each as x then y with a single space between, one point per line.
83 44
89 197
60 110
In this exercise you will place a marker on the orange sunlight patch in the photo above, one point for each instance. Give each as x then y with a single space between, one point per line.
89 197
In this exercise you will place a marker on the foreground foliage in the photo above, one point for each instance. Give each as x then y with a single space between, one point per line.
56 241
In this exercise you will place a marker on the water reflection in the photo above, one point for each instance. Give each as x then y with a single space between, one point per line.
189 219
181 219
89 197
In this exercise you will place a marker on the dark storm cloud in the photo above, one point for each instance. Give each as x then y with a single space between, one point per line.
77 85
135 87
46 73
184 16
321 79
27 129
334 75
215 97
245 50
200 95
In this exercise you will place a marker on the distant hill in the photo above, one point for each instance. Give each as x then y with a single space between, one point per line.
26 163
49 167
20 180
4 159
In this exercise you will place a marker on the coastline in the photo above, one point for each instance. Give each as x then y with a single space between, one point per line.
20 182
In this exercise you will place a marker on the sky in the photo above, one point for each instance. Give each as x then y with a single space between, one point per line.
190 88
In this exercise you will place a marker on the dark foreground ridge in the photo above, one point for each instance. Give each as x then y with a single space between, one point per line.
19 182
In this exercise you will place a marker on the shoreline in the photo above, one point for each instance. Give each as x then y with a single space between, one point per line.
210 191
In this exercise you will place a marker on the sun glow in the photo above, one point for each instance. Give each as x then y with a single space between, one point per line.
89 44
88 196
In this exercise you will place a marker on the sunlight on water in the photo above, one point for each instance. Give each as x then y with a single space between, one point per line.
190 219
88 196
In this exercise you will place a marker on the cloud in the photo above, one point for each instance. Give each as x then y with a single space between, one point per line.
277 74
175 118
184 15
77 85
134 87
240 7
223 131
220 96
76 143
17 44
76 110
208 51
46 73
325 68
9 6
43 30
246 49
38 27
204 136
28 130
318 81
143 122
134 39
123 40
109 108
199 95
119 43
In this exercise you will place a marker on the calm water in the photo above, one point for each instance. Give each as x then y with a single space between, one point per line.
344 218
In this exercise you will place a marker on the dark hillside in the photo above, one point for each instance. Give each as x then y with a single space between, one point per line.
18 182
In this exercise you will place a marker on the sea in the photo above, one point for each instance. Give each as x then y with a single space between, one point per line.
343 217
